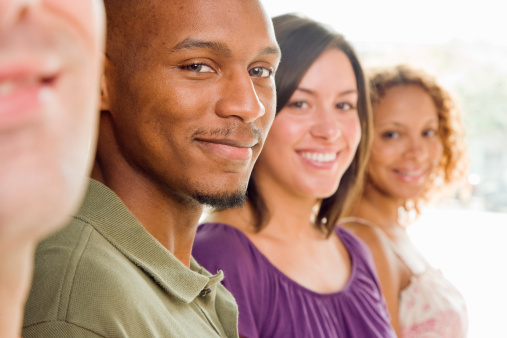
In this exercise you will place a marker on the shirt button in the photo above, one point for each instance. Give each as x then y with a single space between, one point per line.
205 292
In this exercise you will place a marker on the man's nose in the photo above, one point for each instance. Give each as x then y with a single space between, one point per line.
240 99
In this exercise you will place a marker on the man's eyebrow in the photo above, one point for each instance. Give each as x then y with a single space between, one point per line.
190 43
218 47
270 51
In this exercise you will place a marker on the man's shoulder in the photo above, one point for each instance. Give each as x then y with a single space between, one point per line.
86 286
81 281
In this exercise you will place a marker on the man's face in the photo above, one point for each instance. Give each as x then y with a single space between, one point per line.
50 58
193 100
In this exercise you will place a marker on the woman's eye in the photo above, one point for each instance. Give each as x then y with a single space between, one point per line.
430 132
298 104
345 106
198 68
390 135
260 72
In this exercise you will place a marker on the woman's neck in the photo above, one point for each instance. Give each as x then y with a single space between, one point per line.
379 208
289 216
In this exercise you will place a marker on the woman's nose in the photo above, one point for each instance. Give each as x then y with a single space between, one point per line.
326 125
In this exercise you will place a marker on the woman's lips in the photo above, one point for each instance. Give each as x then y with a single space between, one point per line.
410 176
319 159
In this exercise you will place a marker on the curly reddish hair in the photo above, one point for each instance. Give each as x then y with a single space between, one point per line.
454 163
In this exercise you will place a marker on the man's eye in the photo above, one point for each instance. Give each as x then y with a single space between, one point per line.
260 72
198 68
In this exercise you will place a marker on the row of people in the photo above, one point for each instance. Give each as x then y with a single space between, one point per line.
185 108
292 271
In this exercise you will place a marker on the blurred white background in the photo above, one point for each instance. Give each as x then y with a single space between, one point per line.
402 21
464 43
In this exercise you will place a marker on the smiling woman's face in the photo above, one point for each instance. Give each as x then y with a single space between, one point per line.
315 135
50 67
406 147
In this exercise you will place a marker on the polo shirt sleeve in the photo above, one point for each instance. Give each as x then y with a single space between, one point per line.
58 329
220 247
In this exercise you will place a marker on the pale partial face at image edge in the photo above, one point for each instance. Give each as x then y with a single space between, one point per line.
315 136
198 110
406 147
50 66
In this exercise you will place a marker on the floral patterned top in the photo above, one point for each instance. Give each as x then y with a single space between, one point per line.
430 306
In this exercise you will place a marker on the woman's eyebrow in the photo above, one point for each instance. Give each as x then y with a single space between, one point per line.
345 92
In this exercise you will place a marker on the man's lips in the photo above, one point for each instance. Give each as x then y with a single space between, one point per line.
229 149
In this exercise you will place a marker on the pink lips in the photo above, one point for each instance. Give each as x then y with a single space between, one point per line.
25 89
411 176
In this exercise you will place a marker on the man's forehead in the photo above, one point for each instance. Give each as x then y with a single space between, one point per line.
160 26
205 18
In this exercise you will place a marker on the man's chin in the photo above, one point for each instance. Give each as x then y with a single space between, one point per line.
221 201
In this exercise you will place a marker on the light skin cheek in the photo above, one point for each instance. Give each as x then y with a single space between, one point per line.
87 16
283 136
351 129
285 128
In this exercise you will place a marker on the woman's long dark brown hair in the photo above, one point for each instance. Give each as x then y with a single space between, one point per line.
302 41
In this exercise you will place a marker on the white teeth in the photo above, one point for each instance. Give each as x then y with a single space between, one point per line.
319 157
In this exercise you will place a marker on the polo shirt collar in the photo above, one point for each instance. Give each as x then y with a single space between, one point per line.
104 210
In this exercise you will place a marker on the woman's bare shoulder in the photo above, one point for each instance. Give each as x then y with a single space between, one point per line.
371 235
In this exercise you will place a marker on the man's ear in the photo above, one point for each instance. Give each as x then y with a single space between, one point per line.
104 92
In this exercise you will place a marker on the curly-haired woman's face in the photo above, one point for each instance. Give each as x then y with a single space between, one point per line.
406 147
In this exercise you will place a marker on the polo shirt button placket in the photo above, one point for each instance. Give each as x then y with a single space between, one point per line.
204 292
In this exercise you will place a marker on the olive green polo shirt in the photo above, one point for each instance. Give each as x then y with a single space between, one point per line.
104 275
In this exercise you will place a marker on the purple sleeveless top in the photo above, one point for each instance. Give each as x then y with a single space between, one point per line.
273 305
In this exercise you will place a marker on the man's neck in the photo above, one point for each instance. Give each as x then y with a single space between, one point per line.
16 267
170 220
